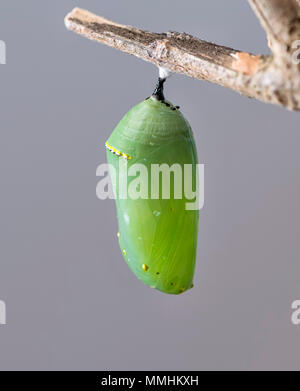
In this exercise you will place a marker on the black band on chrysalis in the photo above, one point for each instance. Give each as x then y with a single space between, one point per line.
159 90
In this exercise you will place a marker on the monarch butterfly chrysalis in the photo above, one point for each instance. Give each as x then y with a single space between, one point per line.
157 237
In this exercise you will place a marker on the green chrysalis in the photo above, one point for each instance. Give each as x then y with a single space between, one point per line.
157 237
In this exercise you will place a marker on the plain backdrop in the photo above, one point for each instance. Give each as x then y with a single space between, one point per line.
72 302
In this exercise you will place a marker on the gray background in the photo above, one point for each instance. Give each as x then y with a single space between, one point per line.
72 303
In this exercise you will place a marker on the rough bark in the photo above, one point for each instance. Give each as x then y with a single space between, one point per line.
271 79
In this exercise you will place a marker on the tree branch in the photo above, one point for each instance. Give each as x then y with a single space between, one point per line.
254 76
280 19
